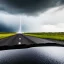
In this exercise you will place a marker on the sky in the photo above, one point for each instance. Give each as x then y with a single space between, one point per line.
35 15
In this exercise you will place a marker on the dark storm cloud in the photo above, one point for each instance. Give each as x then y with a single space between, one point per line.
27 6
62 1
4 28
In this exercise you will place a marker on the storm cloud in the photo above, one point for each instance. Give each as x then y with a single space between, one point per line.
4 28
28 6
8 22
49 13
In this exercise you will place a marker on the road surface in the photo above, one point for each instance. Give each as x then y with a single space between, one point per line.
20 39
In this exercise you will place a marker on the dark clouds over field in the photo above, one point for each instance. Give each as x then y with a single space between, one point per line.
26 7
4 28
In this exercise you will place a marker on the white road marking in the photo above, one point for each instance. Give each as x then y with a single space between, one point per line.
19 43
19 38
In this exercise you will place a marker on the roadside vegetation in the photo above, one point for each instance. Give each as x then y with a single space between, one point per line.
48 35
5 34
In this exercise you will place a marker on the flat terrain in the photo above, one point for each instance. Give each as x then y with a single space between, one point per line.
16 39
50 35
20 39
5 35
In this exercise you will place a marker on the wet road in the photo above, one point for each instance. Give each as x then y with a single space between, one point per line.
17 39
20 39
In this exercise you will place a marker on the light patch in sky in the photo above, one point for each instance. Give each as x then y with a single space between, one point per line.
50 21
53 28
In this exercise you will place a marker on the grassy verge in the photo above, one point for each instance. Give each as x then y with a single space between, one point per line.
49 35
5 35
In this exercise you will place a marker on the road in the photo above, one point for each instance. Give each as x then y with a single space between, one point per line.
20 39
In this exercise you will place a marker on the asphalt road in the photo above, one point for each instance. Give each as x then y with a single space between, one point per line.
20 39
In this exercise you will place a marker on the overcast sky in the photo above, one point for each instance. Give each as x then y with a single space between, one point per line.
35 15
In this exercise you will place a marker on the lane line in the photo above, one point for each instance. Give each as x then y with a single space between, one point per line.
19 38
19 43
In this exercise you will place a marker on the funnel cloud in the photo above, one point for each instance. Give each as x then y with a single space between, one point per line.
36 15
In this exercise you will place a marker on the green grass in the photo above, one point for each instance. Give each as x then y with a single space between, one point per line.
5 35
49 35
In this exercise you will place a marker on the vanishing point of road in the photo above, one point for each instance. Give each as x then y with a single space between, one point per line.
20 39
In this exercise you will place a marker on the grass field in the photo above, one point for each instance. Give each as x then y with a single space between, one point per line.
49 35
5 35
